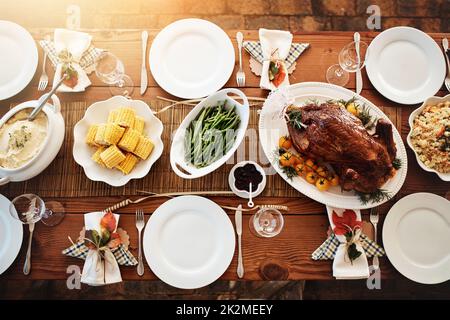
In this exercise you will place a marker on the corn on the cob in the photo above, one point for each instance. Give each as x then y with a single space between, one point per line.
128 164
129 140
143 148
90 137
112 116
113 133
96 156
112 156
139 124
100 135
125 117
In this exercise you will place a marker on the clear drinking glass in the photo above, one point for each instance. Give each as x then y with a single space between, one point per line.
29 208
267 222
110 70
338 74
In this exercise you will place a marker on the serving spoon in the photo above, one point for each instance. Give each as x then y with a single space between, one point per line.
44 98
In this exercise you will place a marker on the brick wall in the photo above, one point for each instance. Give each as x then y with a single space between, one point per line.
296 15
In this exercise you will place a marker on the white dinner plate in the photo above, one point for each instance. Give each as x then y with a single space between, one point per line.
272 126
189 242
416 237
191 58
405 65
18 58
11 235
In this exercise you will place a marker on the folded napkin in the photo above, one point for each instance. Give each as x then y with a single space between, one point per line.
72 47
102 262
350 259
274 45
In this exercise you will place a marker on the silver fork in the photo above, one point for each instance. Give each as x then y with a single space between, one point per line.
43 80
140 222
374 220
447 78
240 76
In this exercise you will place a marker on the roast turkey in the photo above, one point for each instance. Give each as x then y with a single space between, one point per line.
329 133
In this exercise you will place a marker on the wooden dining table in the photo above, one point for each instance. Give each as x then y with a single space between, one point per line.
284 257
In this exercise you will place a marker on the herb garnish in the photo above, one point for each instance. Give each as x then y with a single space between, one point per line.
374 197
397 163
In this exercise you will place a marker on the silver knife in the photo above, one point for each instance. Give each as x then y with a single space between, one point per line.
143 68
359 83
238 222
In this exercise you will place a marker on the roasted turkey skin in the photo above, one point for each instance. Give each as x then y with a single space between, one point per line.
331 134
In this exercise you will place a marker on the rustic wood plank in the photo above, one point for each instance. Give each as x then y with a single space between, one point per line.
290 250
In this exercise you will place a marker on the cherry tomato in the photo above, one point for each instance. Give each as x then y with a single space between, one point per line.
310 163
286 159
285 143
322 184
352 108
311 177
334 181
322 172
300 169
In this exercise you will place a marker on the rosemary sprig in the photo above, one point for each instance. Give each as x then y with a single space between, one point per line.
397 163
374 197
295 119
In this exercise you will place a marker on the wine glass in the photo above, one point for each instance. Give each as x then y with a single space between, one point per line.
111 70
349 61
267 222
29 209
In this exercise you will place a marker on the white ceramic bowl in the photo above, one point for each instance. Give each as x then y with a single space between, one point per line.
243 193
98 113
177 154
50 147
413 115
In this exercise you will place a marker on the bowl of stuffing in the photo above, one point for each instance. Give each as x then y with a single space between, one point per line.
429 136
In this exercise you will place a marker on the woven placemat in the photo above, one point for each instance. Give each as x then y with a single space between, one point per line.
65 178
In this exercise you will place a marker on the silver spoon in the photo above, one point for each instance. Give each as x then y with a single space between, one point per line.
250 197
44 98
27 264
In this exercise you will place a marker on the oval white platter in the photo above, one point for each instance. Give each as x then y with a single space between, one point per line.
98 113
272 126
189 242
177 153
416 237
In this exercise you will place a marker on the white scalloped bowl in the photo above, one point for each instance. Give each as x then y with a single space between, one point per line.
412 116
98 113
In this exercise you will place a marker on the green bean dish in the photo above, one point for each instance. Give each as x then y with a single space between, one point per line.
211 134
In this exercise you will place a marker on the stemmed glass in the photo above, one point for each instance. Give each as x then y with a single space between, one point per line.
111 70
267 222
338 74
29 209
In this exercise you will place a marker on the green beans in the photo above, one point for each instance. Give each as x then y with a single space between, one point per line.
211 135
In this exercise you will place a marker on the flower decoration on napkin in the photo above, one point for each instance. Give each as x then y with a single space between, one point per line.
103 246
71 52
347 245
277 54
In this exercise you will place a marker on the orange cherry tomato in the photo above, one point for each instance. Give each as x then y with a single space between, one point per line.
334 181
286 159
311 177
300 169
322 184
285 143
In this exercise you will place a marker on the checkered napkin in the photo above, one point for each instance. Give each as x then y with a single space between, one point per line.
87 61
327 250
254 49
123 256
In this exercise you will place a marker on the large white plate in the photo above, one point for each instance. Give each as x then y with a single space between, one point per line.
416 237
18 58
272 127
189 242
191 58
405 65
98 113
11 235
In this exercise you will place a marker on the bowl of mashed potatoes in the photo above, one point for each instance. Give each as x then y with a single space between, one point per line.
28 147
